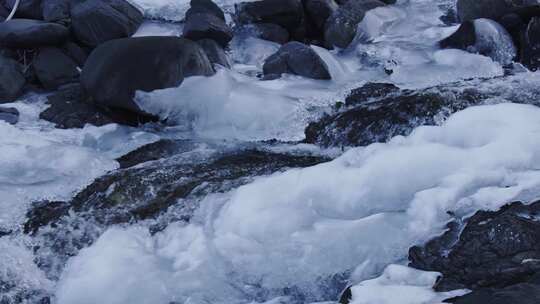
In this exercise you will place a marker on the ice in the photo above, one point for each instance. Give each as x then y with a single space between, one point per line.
157 28
357 213
403 285
252 51
39 162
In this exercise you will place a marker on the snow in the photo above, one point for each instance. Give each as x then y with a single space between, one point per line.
403 285
359 212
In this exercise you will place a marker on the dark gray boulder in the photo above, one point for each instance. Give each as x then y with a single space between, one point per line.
54 68
118 68
215 52
30 9
56 10
341 27
491 9
492 250
26 33
207 26
12 79
9 115
97 21
525 293
287 13
296 58
75 52
463 38
318 11
266 31
530 52
205 6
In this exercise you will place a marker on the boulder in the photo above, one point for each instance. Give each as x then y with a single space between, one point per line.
97 21
12 80
530 52
26 33
56 10
341 27
266 31
483 36
215 52
287 13
54 68
9 115
205 6
492 249
318 11
30 9
118 68
525 293
296 58
75 52
491 9
207 26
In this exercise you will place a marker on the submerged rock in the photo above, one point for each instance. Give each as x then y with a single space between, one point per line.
9 115
118 68
296 58
26 33
494 249
97 21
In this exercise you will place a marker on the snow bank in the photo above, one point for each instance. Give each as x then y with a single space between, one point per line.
359 212
403 285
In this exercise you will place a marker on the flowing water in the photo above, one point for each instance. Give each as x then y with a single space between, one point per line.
294 236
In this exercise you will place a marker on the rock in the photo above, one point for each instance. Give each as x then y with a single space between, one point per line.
75 52
266 31
54 68
530 53
26 33
30 9
289 14
491 9
485 37
9 115
383 114
215 52
118 68
207 26
97 21
525 293
205 6
369 92
318 11
12 80
494 249
296 58
56 10
68 109
341 27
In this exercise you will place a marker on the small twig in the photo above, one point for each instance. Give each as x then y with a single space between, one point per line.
13 10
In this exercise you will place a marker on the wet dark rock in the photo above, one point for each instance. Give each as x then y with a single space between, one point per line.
341 27
97 21
26 33
200 26
205 6
12 79
493 250
30 9
296 58
75 52
118 68
289 14
68 110
370 91
374 119
54 68
530 53
525 293
216 54
42 214
318 11
491 9
265 31
56 10
9 115
161 149
463 38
